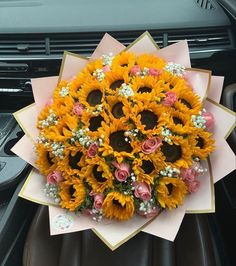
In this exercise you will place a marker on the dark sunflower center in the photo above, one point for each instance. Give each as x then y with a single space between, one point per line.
144 89
117 203
94 97
116 84
118 143
71 191
74 160
200 142
95 122
49 159
98 175
117 110
147 166
178 121
186 103
124 65
148 119
170 188
172 152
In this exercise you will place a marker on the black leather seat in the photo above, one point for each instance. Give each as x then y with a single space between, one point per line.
193 246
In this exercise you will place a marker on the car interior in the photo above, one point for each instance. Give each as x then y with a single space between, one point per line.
33 36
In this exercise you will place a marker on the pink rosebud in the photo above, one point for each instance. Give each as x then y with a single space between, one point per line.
122 171
210 121
54 177
98 200
150 145
192 186
106 69
154 72
135 70
170 98
92 150
50 102
154 212
188 174
78 109
142 190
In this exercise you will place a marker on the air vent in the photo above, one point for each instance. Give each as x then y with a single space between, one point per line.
21 45
36 46
205 4
201 41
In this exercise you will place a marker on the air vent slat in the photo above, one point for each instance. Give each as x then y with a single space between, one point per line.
46 45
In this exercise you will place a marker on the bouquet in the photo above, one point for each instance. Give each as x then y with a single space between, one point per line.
127 135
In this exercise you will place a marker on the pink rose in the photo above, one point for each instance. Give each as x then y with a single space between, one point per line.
78 109
122 171
192 186
188 174
92 150
150 145
142 190
135 70
98 200
54 177
154 212
170 98
106 69
210 121
154 72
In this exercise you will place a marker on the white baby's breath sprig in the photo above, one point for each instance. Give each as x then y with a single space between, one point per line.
99 74
58 149
166 133
107 59
49 121
175 69
126 90
198 120
170 172
64 91
51 190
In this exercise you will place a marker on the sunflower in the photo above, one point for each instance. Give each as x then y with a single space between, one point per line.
98 175
91 67
146 168
46 161
170 192
150 61
188 101
171 82
179 122
115 142
178 152
72 193
118 107
119 206
73 161
123 60
63 130
115 79
91 93
149 117
148 88
203 144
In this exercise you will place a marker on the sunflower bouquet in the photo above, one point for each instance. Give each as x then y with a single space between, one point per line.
125 136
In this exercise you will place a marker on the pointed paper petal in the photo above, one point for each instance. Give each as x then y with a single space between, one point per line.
166 225
177 53
143 44
43 89
62 221
223 160
199 80
27 119
107 45
71 65
24 149
216 88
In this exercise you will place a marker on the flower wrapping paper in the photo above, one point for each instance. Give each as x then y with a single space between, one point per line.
167 223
